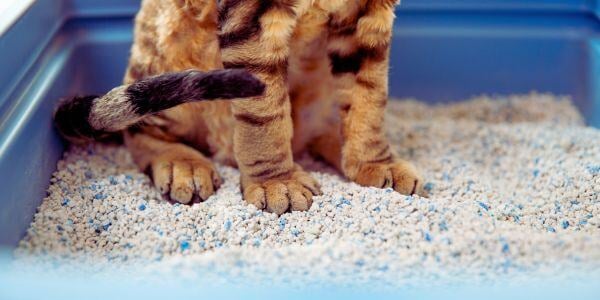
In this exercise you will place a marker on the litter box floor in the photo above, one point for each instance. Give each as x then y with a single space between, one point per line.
513 182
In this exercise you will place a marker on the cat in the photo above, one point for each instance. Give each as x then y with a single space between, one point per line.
324 64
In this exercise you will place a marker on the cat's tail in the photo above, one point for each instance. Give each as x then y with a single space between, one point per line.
87 118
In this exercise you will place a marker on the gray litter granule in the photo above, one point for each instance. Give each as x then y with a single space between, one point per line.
514 188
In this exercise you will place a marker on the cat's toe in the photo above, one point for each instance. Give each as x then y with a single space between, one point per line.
407 179
206 180
277 196
182 185
255 194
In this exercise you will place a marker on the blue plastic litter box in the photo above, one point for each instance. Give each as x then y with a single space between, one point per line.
443 51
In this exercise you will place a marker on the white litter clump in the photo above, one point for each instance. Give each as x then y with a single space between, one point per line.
513 183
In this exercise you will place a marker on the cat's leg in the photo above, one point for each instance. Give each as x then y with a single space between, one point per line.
255 35
359 58
179 171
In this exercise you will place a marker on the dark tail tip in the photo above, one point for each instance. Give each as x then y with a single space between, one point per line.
71 120
231 84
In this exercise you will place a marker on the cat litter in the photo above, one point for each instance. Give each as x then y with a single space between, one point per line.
513 186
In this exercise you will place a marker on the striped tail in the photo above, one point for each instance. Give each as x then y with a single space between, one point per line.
87 118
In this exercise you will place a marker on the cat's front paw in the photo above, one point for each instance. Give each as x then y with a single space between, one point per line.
293 192
400 175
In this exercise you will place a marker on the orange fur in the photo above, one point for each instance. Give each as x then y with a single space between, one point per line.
336 111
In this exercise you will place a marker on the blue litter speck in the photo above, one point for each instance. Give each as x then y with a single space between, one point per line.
536 173
59 228
295 231
443 226
256 242
346 202
517 219
69 222
565 224
557 205
506 265
484 205
427 237
65 202
218 244
469 184
377 209
388 190
551 229
505 248
105 226
227 225
594 169
88 174
112 180
184 245
128 177
583 222
142 207
431 207
100 196
282 222
428 186
202 244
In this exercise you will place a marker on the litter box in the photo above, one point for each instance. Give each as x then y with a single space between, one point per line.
443 51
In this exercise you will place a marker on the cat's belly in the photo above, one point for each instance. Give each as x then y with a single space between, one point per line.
314 108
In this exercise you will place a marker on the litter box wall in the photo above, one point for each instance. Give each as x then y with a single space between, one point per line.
443 50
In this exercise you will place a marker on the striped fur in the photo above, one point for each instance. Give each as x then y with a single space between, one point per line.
81 119
324 64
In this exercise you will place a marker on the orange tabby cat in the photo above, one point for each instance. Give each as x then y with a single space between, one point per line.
324 64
